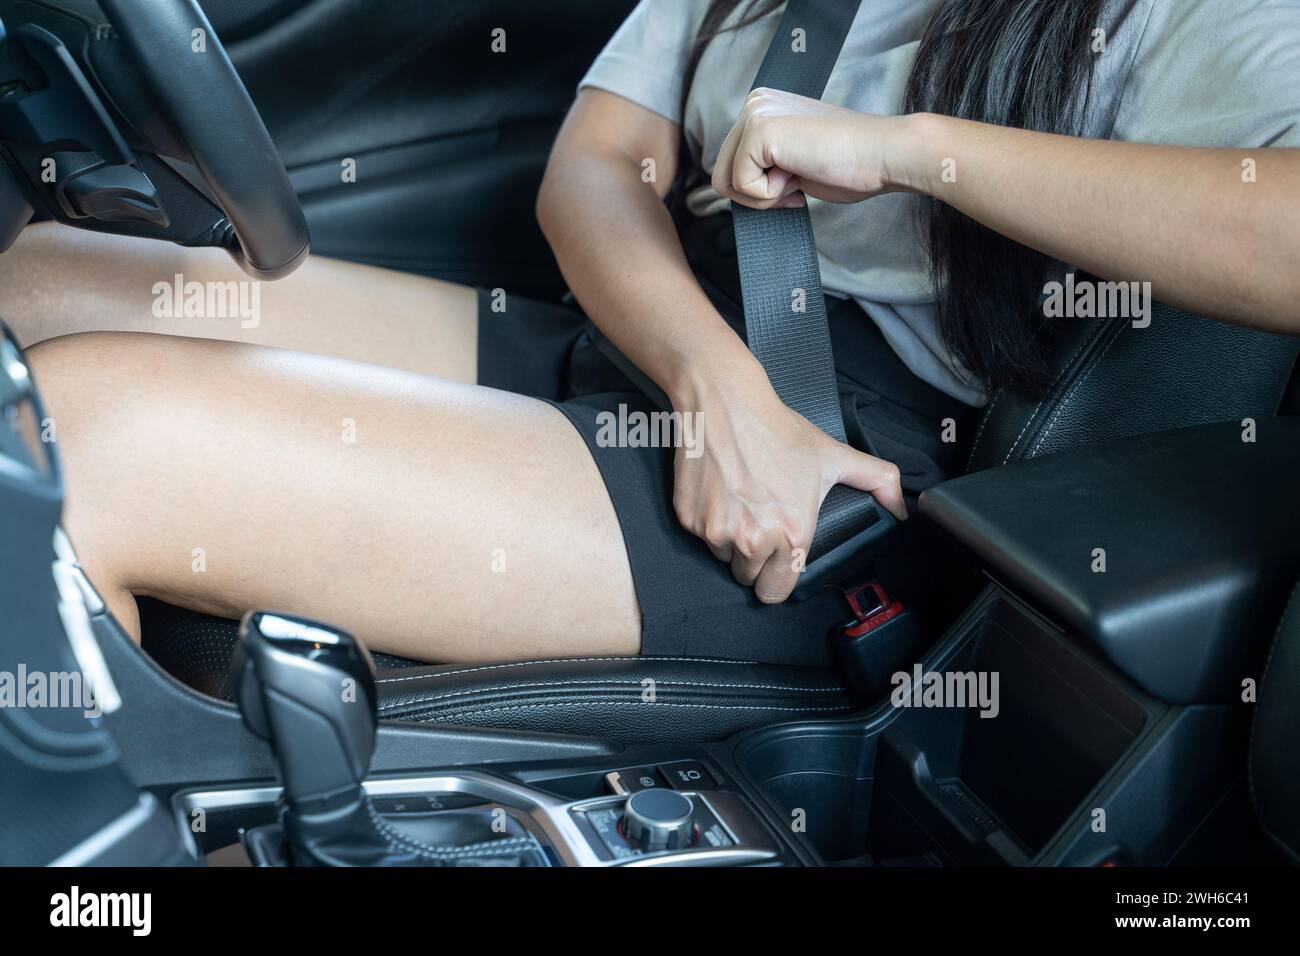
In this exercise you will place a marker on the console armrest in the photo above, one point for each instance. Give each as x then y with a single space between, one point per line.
1201 538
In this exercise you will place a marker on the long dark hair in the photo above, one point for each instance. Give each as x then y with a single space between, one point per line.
1017 63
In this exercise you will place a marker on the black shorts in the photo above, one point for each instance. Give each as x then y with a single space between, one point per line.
690 604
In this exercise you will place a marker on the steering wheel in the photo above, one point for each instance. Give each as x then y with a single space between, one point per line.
133 120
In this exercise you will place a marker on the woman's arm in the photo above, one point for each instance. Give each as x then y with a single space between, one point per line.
754 489
618 249
1215 231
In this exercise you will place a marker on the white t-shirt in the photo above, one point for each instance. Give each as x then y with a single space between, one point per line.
1222 73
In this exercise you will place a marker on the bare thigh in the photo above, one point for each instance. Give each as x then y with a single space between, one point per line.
434 519
58 281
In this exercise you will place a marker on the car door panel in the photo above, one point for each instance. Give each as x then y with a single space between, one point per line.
448 133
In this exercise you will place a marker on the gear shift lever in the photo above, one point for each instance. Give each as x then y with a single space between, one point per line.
310 691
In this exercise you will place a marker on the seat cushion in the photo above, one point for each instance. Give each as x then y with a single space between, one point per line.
196 648
627 699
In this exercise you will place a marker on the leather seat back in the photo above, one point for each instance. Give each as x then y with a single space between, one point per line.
1274 760
1112 380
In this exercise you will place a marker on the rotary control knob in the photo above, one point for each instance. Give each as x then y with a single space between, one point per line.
657 820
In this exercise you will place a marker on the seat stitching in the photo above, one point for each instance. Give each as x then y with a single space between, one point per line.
1250 744
1069 396
622 683
988 413
481 711
1093 333
561 660
1028 421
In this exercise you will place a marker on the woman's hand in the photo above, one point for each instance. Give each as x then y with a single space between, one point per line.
785 145
754 490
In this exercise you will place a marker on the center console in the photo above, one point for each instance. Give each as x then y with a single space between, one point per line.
1093 705
1074 764
1060 759
309 691
656 826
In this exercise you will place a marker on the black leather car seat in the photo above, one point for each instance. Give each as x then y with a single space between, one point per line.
1116 381
1274 767
1274 762
1111 380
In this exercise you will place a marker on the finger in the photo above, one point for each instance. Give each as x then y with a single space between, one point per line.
791 195
718 543
724 553
776 581
726 156
688 515
745 568
715 535
867 473
723 166
755 179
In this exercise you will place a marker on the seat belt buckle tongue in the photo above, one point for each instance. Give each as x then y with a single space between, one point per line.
850 559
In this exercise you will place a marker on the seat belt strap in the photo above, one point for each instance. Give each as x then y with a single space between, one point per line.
785 309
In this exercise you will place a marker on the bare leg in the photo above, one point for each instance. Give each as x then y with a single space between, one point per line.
435 520
58 281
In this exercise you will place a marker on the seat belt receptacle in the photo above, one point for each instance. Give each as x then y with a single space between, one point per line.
882 639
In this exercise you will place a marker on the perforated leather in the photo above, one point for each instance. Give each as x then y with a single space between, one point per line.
196 648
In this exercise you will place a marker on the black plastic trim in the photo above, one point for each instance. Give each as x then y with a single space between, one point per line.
1201 538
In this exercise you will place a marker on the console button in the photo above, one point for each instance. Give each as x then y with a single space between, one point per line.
687 775
425 803
633 780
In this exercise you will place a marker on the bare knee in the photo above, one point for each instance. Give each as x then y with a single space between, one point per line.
149 430
95 385
97 391
95 361
52 272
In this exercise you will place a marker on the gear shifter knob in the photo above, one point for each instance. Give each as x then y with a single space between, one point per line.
309 689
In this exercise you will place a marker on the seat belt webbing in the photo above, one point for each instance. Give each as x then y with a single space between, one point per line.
779 272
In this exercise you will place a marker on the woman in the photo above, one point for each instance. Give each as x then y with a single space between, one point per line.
443 520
